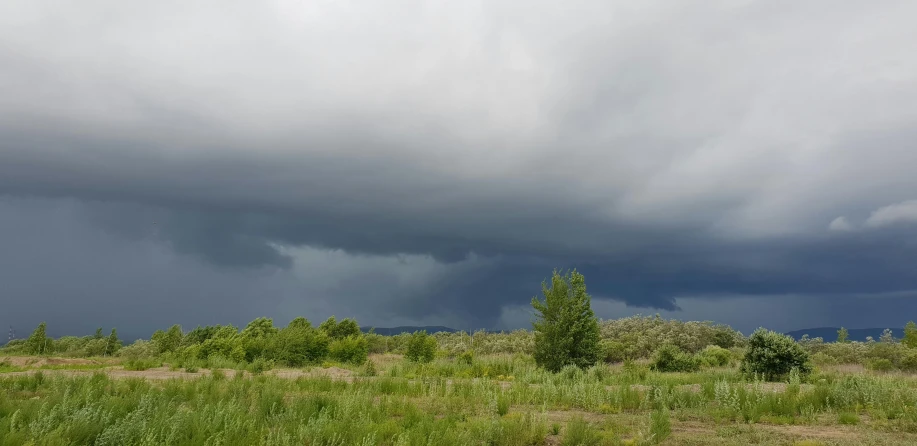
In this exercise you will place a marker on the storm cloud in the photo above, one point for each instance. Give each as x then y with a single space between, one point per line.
416 162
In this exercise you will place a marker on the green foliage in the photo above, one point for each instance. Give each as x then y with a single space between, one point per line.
467 357
880 365
141 364
298 345
259 366
352 349
670 358
614 351
660 426
848 418
38 342
640 336
261 327
842 335
168 341
580 433
369 369
421 347
566 329
772 355
715 356
140 349
910 335
340 330
908 361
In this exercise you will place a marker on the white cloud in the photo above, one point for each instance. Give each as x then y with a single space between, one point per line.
840 224
903 212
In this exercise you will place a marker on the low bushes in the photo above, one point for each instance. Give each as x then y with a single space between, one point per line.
670 358
773 355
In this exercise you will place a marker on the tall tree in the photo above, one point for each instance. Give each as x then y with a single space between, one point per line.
842 335
113 343
566 329
37 343
910 335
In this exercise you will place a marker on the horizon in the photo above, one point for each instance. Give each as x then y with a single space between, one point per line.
431 164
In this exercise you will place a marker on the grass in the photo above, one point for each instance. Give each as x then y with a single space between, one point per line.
497 400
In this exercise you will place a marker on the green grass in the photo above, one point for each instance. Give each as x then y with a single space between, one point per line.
512 402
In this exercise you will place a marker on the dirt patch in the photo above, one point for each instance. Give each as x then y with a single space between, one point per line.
335 373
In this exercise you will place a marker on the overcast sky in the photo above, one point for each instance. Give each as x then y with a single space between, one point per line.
429 162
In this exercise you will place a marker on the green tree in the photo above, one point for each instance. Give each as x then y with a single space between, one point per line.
37 343
259 328
98 334
340 330
566 329
113 343
910 335
421 347
774 355
842 335
299 322
168 341
299 344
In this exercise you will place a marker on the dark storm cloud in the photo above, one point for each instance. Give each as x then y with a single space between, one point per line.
443 159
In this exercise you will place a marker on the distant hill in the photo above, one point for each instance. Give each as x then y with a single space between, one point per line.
829 334
407 329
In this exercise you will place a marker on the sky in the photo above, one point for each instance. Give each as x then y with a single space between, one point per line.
749 162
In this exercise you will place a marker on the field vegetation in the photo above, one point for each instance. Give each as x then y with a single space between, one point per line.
572 380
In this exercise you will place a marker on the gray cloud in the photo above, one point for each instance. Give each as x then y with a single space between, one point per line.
447 157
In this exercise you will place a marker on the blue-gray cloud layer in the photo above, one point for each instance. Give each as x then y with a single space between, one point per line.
443 159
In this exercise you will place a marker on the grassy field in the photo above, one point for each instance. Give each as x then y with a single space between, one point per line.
493 400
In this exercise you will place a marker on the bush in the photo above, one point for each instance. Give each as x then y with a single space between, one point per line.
908 361
773 355
260 365
352 349
715 356
421 347
298 345
670 358
613 351
580 433
467 357
369 369
880 365
566 329
139 349
141 364
821 358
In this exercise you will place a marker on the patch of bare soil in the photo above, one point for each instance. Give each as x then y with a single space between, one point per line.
335 373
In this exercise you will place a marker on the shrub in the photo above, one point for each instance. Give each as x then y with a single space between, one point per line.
613 351
821 358
580 433
670 358
848 418
260 365
352 349
298 345
715 356
880 365
566 329
908 361
141 364
370 368
910 335
660 426
467 357
421 347
773 355
340 330
139 349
